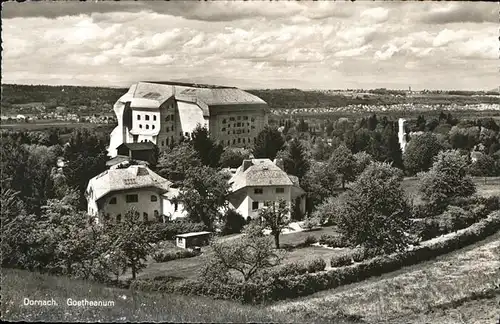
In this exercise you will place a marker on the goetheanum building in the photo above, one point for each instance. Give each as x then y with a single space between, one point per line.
164 112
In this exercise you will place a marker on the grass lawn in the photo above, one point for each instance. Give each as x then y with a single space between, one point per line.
128 306
412 291
299 237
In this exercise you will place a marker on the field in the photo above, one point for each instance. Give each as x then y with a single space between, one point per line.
437 291
129 307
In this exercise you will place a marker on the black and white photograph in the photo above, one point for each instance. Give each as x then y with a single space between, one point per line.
250 162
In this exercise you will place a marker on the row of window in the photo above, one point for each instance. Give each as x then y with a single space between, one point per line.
260 191
131 199
145 216
146 117
237 131
147 126
241 141
168 142
237 118
255 204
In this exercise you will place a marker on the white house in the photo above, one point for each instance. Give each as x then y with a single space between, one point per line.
258 181
111 194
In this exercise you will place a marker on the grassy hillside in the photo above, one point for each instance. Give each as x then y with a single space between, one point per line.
129 307
461 287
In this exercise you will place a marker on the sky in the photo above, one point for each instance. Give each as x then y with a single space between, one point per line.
254 44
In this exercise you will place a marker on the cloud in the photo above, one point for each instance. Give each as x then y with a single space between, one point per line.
463 12
260 43
375 15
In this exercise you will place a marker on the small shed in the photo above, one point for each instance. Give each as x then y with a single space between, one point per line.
191 240
144 151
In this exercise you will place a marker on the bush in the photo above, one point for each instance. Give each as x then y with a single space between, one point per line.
341 260
168 231
453 219
316 265
361 254
310 240
310 223
233 222
332 241
426 229
165 256
291 269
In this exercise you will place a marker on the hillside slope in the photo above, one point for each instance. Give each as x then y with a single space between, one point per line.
437 291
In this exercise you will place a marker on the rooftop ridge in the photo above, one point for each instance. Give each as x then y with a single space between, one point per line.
193 85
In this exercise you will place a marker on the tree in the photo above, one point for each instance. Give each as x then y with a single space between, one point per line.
319 182
295 158
375 213
420 153
247 256
275 216
342 161
130 241
86 157
362 160
204 194
173 164
268 143
446 180
232 158
208 151
484 166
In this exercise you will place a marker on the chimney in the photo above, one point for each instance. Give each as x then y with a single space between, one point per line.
280 164
247 164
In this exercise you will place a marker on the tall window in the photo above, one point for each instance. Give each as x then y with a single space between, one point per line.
132 198
147 126
118 218
255 205
112 201
176 206
147 117
258 191
157 214
140 125
153 126
154 117
154 198
144 217
138 117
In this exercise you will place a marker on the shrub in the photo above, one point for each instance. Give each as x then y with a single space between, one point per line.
332 241
291 269
453 219
316 265
165 256
361 254
425 229
168 231
233 222
341 260
310 240
310 223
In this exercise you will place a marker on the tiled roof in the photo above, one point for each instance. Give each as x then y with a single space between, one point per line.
133 177
261 172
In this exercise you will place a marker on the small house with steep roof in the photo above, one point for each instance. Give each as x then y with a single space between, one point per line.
260 181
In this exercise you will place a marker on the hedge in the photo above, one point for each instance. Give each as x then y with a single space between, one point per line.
272 288
168 231
165 256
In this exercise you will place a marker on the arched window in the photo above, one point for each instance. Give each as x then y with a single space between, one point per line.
144 217
147 126
140 125
157 214
147 117
154 117
138 117
153 126
154 198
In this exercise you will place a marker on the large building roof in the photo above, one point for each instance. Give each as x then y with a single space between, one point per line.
260 173
152 94
132 177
